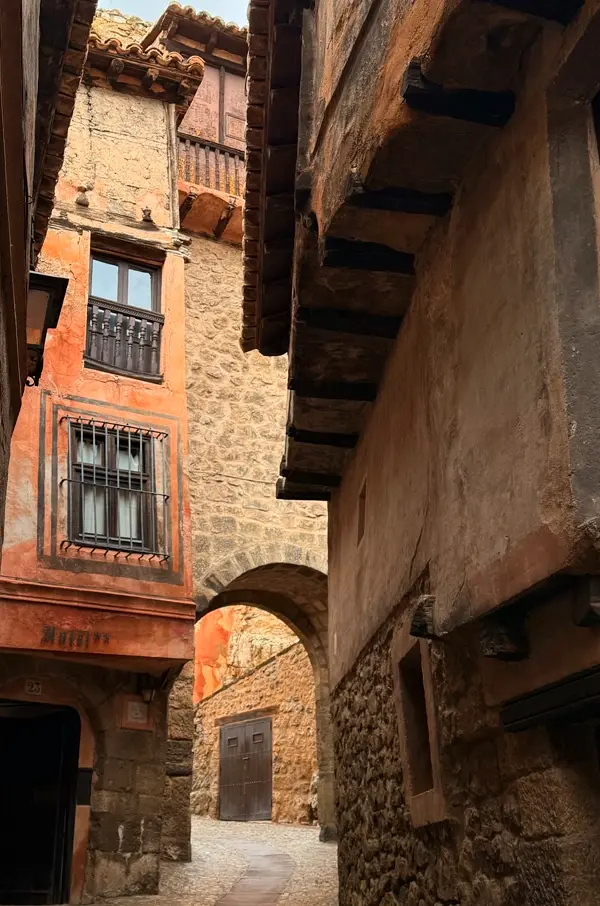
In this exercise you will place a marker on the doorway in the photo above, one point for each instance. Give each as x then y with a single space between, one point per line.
246 771
39 754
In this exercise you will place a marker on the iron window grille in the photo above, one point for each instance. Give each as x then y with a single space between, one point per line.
115 500
124 322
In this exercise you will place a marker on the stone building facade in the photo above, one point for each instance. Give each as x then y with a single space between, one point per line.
97 614
251 666
436 283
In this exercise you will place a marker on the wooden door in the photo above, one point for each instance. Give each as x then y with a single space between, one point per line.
246 771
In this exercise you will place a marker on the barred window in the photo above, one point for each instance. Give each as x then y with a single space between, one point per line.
115 501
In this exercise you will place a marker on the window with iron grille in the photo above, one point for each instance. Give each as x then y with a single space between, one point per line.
124 320
117 488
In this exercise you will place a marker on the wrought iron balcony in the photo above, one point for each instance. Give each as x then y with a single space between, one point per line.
210 164
123 340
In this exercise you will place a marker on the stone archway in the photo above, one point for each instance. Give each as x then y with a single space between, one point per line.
295 590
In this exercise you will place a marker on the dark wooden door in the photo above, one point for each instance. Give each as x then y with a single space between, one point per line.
39 749
246 771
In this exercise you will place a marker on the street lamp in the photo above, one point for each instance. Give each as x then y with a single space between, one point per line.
44 303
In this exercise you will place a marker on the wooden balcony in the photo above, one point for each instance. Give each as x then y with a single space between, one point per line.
209 164
123 340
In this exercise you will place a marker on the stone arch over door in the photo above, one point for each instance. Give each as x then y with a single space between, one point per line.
295 590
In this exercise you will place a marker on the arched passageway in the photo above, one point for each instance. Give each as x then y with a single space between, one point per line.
296 592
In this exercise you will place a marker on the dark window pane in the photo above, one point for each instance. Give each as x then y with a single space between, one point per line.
105 280
139 289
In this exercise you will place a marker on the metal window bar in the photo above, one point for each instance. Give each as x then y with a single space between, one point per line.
105 478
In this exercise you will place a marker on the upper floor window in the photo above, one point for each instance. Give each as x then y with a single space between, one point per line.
115 500
124 320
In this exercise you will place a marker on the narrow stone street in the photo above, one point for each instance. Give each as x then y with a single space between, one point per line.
248 864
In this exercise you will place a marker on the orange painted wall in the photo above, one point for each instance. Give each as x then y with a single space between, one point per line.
107 155
211 644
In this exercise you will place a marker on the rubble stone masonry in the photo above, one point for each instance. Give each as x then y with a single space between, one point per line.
236 406
285 684
522 808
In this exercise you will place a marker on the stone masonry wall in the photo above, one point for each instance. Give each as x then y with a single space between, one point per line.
177 827
237 412
112 23
125 822
284 683
523 826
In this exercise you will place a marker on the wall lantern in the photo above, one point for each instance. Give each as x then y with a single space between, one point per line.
44 303
147 686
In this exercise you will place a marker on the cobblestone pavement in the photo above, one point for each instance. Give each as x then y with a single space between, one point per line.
229 858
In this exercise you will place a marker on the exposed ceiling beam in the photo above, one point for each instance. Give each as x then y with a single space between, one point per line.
360 391
347 321
368 256
487 108
304 477
403 201
285 490
322 438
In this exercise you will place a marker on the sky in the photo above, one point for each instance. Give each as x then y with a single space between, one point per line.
229 10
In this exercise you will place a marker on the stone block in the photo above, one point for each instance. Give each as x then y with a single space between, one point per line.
116 774
176 850
110 875
181 723
177 792
149 780
114 833
179 755
143 874
151 834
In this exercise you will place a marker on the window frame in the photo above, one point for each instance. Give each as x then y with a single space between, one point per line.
111 479
124 265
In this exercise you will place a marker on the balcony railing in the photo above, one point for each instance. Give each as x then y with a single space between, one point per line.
205 163
123 340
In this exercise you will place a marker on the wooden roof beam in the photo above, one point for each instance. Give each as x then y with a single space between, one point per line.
368 256
486 108
358 391
286 490
347 321
322 438
400 200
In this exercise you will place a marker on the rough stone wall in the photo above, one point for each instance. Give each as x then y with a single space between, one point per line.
284 683
232 641
125 821
523 809
237 410
117 159
176 828
112 23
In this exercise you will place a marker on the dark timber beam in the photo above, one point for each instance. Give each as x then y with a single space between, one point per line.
557 10
318 479
503 635
345 321
286 491
186 205
402 201
487 108
358 391
322 438
367 256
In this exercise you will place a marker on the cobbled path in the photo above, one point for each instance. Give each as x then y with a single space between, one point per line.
248 864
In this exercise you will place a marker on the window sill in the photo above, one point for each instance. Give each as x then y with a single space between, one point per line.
122 372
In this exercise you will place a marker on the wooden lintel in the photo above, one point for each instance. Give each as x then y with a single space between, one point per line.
287 491
403 201
348 321
562 11
322 438
358 391
487 108
317 479
368 256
